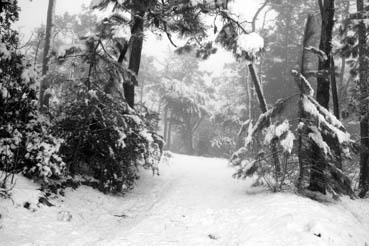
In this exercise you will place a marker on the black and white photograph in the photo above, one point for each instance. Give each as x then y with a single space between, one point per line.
184 122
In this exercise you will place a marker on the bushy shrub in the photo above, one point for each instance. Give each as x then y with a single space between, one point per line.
85 131
106 139
26 144
316 136
223 146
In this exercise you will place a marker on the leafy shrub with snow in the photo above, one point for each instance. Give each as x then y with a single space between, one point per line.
225 125
223 145
26 143
314 134
106 139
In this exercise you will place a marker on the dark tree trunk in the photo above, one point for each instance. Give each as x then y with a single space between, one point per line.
123 52
142 91
111 87
169 135
135 57
341 85
166 125
323 85
364 120
318 165
263 107
335 99
258 89
36 53
47 47
364 157
241 133
249 96
336 110
188 140
308 61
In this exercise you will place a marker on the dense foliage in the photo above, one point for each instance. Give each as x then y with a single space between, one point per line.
108 140
26 142
97 134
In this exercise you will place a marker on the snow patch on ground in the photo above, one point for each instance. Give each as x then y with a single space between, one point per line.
194 202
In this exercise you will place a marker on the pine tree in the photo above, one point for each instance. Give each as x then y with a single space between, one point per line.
182 17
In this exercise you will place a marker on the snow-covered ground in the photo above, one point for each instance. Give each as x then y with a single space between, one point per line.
194 202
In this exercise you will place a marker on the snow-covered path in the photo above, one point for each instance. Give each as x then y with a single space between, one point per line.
194 202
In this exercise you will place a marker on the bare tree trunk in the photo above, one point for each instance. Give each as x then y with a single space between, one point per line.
335 100
36 53
142 91
263 107
111 86
123 52
135 57
241 133
323 85
169 135
47 47
258 89
364 120
343 89
286 60
341 85
336 110
188 138
310 39
166 124
317 177
249 96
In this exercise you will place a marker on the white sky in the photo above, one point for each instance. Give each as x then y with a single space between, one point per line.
33 14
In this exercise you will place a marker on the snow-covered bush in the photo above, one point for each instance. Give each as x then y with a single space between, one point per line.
106 139
225 125
26 143
312 133
255 157
223 145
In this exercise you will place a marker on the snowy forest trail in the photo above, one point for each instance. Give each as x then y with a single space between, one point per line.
193 202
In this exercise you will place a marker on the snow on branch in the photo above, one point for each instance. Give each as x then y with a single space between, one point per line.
252 44
264 119
326 120
282 133
317 138
303 83
246 169
326 126
321 54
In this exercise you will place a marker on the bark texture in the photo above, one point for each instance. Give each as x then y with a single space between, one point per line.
308 62
318 165
135 57
323 86
264 108
364 121
47 48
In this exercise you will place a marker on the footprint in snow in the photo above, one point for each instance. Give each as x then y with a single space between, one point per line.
213 237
